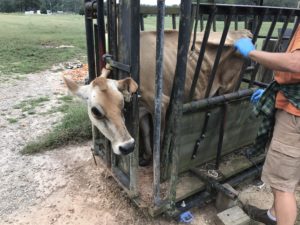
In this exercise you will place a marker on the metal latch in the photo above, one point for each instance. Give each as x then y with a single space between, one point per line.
108 59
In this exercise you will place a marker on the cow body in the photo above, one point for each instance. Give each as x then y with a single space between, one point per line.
105 97
225 80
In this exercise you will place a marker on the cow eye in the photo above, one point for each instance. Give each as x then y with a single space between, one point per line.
97 113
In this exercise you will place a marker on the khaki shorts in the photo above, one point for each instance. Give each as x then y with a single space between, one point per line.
282 166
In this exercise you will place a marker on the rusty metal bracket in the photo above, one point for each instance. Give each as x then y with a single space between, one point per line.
202 136
214 185
108 59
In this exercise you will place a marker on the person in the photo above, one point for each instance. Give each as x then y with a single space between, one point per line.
280 106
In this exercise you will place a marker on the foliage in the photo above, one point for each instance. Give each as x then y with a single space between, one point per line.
281 3
53 5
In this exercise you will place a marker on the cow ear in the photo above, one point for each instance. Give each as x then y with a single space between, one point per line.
127 86
80 91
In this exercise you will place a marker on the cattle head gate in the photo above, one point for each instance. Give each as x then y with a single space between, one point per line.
204 140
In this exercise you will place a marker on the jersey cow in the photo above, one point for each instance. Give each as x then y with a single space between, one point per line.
105 97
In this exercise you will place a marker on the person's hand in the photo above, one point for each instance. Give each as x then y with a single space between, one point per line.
244 46
256 95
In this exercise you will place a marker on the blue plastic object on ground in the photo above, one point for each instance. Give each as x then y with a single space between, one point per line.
186 217
244 46
256 95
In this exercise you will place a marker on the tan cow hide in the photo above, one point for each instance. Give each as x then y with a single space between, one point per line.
226 77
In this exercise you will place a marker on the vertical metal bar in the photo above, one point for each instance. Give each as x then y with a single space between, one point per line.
255 35
177 92
196 26
112 31
223 111
214 25
261 2
283 29
97 50
142 22
218 55
124 35
101 50
236 22
201 23
158 99
90 43
270 32
297 21
201 54
174 21
134 110
193 16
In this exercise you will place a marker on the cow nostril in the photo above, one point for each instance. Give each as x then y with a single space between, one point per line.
127 148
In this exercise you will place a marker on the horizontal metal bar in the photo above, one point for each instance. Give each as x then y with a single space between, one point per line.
204 197
257 83
214 184
246 10
204 103
153 10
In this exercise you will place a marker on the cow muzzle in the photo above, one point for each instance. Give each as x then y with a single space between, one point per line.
125 148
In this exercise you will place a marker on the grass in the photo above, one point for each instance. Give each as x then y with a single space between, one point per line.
74 127
30 104
12 120
29 43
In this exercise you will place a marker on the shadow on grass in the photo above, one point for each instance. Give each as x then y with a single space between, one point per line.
74 127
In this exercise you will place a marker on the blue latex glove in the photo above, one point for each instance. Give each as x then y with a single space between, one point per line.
244 46
256 95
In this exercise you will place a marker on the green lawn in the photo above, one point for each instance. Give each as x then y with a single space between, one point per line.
28 43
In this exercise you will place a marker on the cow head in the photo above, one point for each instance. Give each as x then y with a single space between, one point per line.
105 100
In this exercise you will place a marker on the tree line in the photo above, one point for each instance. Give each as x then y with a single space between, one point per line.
43 5
77 5
280 3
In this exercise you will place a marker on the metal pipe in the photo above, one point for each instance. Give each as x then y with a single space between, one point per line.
295 28
236 22
204 197
158 99
142 22
221 99
97 50
90 43
246 61
174 21
223 111
201 23
177 93
283 29
101 50
196 26
274 21
218 56
257 83
201 55
112 32
133 119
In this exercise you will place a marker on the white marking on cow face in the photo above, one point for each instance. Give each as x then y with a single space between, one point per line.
105 102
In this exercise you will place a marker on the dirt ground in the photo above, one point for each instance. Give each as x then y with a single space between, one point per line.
64 186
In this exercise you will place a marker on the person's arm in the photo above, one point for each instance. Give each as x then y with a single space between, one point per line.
286 62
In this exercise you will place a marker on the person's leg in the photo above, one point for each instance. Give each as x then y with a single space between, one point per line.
285 207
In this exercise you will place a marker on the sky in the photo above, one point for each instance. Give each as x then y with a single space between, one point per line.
154 2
